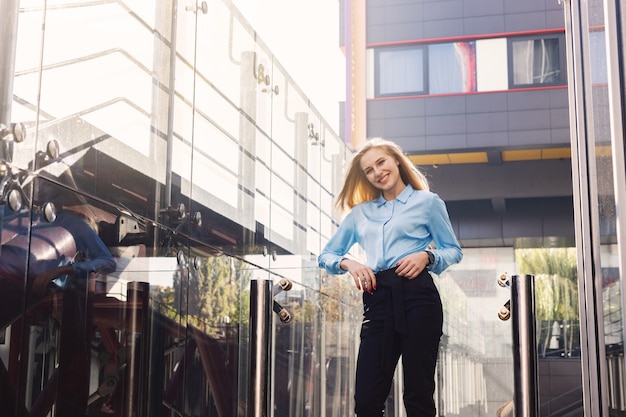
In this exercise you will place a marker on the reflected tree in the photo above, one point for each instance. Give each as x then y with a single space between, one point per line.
556 296
208 297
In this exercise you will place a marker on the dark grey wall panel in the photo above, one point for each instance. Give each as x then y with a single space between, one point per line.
528 100
444 28
415 20
437 106
487 122
554 18
477 25
516 119
405 108
529 120
523 179
406 13
486 139
490 102
473 8
531 138
443 10
445 125
526 6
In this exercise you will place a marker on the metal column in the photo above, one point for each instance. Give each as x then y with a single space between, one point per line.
261 303
525 358
9 10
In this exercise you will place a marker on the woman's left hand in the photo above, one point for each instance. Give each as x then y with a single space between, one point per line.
412 265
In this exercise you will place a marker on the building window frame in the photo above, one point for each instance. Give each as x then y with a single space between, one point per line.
380 75
538 44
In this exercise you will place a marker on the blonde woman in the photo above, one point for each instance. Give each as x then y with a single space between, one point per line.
395 219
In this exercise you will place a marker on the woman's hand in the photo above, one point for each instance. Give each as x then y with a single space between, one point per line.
363 276
412 265
41 281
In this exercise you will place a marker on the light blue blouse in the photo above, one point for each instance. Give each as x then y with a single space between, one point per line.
389 230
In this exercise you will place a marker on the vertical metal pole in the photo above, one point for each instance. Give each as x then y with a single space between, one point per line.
260 347
524 346
167 198
136 310
9 10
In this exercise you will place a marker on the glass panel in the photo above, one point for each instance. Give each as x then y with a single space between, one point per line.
491 64
474 367
603 202
401 71
536 61
178 196
606 203
597 52
452 68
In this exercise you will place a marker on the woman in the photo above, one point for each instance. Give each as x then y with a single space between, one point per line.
394 218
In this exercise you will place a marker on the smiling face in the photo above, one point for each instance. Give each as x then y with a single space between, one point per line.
382 171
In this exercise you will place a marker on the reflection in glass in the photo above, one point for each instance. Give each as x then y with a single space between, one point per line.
536 61
452 68
401 71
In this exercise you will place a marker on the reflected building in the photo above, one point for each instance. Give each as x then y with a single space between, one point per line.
193 164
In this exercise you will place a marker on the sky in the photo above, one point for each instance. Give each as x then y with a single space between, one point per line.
311 28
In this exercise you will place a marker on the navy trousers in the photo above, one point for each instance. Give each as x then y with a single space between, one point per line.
402 318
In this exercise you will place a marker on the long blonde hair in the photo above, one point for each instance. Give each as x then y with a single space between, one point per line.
357 188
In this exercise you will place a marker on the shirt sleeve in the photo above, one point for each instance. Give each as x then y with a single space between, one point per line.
338 245
99 258
448 251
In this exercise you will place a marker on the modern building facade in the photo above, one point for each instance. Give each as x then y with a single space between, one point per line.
514 111
161 149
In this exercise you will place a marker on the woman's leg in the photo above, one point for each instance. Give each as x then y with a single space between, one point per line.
419 358
373 382
374 373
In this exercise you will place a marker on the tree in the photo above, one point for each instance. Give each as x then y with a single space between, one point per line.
556 293
207 296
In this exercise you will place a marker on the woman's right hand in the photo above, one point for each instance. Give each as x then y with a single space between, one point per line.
363 276
41 281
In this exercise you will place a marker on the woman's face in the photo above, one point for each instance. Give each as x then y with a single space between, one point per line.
383 172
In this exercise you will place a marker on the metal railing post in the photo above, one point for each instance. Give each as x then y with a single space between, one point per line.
524 346
261 304
9 11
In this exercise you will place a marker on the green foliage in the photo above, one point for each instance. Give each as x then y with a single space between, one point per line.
556 295
337 294
548 261
209 296
556 290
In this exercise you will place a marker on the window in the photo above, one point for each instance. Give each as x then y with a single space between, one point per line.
452 68
400 71
536 62
491 64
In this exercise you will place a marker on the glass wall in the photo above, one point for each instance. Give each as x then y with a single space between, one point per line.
595 53
169 161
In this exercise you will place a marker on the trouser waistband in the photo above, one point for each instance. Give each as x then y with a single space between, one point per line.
395 300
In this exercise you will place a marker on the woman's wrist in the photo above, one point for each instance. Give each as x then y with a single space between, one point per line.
342 265
431 258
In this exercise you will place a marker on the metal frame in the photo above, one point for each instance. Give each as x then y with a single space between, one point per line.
616 68
586 217
525 360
